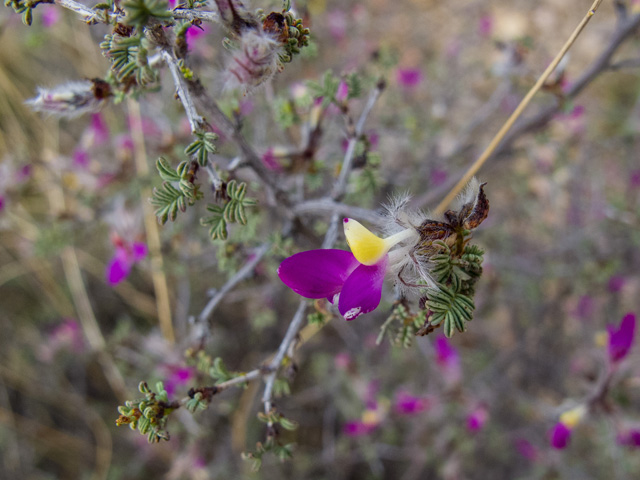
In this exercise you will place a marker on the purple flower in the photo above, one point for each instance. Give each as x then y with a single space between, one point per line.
448 360
560 436
337 21
80 158
585 307
124 258
438 176
50 15
407 404
526 449
343 91
621 339
358 428
178 376
65 336
2 203
634 179
629 438
270 160
193 33
354 280
616 283
477 418
409 78
485 25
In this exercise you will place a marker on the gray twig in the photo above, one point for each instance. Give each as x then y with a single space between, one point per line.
341 185
188 14
195 120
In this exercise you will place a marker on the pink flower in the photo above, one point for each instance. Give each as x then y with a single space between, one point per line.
438 176
358 428
634 179
126 255
621 339
407 404
342 361
193 33
560 436
409 78
80 158
477 419
99 130
448 360
2 203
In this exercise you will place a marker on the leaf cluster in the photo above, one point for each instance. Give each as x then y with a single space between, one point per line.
202 147
139 13
451 303
148 415
271 445
233 211
168 199
129 59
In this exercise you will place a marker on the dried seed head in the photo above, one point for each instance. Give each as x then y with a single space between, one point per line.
254 62
72 99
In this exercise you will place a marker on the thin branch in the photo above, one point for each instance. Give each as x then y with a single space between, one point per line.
518 111
341 185
195 120
289 337
89 15
240 275
188 14
325 205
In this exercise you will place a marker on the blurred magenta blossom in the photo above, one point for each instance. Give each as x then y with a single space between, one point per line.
65 336
448 360
560 436
621 339
178 376
50 15
485 25
634 178
527 449
126 255
629 438
270 160
409 78
407 404
477 419
337 22
616 283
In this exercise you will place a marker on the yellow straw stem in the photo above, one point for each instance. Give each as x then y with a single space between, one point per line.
516 114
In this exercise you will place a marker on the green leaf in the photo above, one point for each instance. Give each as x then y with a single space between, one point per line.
140 12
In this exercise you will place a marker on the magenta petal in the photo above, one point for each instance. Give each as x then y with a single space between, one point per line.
560 436
363 290
317 273
117 270
139 251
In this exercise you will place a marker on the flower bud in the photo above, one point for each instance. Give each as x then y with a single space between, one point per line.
72 99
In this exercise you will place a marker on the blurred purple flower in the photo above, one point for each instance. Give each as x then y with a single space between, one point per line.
337 21
178 376
246 107
621 339
448 360
438 176
585 307
98 129
526 449
407 404
634 179
23 173
342 361
358 428
193 33
409 78
616 283
124 258
629 438
477 419
2 203
374 139
270 161
65 336
80 158
50 15
485 25
343 91
560 436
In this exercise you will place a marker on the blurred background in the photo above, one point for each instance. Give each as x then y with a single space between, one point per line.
561 260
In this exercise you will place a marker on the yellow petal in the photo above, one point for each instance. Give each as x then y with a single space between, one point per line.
572 417
365 246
